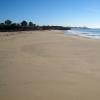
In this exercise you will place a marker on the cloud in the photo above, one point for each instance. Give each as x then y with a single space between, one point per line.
92 10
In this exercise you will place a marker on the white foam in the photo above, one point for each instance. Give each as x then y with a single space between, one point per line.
83 34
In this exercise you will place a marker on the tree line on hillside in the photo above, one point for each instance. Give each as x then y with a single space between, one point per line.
8 25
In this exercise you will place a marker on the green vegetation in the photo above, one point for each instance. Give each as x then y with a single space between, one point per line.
8 25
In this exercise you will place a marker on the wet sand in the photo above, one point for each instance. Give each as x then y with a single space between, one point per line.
47 65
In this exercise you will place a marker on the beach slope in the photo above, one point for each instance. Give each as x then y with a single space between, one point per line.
47 65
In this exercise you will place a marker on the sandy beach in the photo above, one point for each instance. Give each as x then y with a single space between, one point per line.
47 65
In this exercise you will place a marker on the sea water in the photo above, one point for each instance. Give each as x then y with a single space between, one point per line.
84 32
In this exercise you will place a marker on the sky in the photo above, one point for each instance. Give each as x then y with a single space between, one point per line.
52 12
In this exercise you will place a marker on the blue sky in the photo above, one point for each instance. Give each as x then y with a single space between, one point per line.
52 12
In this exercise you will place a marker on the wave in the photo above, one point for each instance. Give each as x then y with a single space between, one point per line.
88 33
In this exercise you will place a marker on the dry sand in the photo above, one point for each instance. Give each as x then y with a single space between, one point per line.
47 65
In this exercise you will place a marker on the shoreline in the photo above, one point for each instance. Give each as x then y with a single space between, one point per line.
65 32
82 34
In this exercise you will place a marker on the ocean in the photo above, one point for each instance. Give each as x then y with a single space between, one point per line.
84 32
